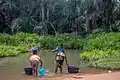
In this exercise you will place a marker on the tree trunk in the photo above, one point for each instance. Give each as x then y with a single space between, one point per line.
47 14
43 12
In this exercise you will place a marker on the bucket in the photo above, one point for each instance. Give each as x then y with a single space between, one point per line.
28 71
73 69
42 71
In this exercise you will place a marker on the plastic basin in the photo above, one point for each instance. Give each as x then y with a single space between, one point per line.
42 71
28 71
73 69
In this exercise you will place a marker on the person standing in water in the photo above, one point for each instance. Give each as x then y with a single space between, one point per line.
59 58
34 61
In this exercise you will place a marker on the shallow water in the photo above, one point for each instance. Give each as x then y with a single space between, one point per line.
12 68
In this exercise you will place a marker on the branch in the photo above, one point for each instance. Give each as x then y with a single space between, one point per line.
53 28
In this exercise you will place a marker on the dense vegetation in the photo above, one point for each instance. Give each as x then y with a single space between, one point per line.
11 45
102 51
59 16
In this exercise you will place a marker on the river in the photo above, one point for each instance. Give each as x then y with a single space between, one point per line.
12 68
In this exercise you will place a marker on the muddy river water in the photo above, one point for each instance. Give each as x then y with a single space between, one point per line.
12 68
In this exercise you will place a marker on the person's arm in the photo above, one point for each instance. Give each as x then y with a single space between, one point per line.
41 63
66 59
54 50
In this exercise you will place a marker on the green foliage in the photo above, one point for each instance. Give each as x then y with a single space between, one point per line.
22 41
22 48
63 16
67 41
103 41
47 42
6 51
102 51
108 59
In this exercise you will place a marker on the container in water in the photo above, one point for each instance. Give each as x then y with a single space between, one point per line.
42 71
73 69
28 71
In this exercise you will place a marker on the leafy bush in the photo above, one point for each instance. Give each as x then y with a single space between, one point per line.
22 48
21 42
6 51
102 51
103 41
45 42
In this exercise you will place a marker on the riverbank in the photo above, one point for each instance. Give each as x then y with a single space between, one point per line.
102 51
104 76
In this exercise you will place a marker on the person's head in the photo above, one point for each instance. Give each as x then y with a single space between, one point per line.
58 47
35 52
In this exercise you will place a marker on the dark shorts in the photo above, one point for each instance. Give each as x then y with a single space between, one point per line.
35 65
59 63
